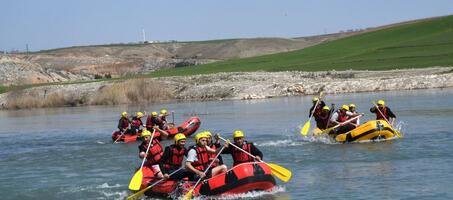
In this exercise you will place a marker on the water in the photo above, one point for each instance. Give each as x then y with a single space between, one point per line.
67 153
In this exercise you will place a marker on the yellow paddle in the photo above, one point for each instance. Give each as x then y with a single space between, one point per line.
277 170
188 195
136 180
141 192
307 124
385 118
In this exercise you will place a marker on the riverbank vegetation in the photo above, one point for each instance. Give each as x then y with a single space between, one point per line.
421 44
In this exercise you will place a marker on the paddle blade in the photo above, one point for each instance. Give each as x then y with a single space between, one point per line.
188 195
280 172
136 181
305 129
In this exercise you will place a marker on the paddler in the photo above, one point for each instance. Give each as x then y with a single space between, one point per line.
136 123
198 159
155 152
123 123
173 157
384 112
239 156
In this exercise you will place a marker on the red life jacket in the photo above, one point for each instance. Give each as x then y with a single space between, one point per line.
212 155
150 122
124 123
136 122
155 153
383 111
355 120
176 157
241 157
342 117
317 110
202 158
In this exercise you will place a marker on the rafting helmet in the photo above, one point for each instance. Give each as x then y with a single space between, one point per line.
345 107
351 105
163 112
154 114
381 102
139 114
178 137
124 114
208 133
146 133
315 99
238 133
325 108
199 136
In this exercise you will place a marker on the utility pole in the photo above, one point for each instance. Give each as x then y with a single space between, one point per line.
144 36
26 47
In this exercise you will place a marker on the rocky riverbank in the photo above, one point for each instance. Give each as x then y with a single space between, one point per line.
224 86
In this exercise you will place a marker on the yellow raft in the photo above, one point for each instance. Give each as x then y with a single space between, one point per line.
371 130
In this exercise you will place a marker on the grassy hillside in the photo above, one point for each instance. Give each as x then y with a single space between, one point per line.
422 44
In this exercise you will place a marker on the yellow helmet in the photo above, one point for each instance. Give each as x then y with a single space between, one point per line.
163 112
199 136
315 99
146 133
351 105
139 114
154 114
124 114
326 108
238 133
208 133
178 137
381 102
345 107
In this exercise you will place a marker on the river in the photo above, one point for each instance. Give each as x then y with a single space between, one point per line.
67 153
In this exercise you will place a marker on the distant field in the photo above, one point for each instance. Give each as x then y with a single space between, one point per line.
421 44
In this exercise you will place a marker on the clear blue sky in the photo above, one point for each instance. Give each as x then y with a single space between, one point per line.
46 24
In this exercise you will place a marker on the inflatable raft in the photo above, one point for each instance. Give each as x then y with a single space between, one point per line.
371 130
242 178
125 137
188 127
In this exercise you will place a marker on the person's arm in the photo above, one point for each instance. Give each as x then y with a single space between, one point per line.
256 152
191 157
163 134
120 124
333 119
311 110
373 109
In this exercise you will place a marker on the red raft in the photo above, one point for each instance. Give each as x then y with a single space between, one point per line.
188 127
245 177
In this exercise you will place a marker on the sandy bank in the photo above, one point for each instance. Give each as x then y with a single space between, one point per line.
246 85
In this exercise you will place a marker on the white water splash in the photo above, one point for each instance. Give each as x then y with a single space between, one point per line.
281 143
247 195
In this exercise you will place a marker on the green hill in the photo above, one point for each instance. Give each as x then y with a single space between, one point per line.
424 43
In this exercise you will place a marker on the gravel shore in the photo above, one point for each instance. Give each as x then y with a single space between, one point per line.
257 85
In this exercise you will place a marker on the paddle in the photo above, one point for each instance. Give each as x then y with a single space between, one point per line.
385 118
307 124
136 180
327 130
173 117
119 137
277 170
189 194
141 192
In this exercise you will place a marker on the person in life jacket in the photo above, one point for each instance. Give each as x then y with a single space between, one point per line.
163 119
173 157
152 120
213 145
318 108
136 123
340 116
123 123
385 112
352 109
155 152
198 159
239 156
322 119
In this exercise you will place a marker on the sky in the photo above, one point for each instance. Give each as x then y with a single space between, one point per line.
48 24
